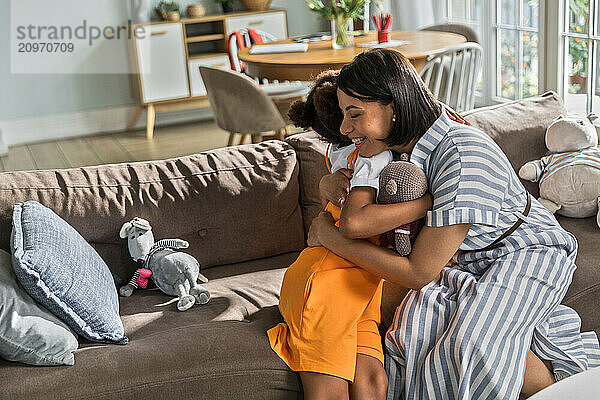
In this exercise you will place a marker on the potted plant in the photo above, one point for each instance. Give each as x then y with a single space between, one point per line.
340 13
226 4
168 10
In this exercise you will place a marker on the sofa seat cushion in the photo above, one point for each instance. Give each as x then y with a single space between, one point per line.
214 351
584 293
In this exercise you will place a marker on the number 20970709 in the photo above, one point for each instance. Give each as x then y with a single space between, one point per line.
46 47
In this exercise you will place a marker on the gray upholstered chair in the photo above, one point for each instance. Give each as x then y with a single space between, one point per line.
240 106
452 75
463 30
283 94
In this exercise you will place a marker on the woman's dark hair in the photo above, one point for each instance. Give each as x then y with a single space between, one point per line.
321 110
386 76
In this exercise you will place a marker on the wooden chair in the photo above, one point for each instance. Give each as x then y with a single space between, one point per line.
453 74
241 107
247 37
282 93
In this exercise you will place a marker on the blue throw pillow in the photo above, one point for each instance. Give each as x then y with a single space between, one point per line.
60 270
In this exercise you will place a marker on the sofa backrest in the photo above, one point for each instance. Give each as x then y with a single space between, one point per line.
232 204
518 127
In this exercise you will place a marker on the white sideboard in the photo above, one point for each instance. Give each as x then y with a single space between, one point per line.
167 56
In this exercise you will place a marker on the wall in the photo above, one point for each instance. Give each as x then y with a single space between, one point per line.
44 97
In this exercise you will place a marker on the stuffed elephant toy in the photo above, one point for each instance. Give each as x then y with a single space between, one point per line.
402 181
175 273
569 177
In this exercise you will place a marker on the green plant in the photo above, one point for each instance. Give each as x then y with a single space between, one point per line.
341 12
165 7
338 9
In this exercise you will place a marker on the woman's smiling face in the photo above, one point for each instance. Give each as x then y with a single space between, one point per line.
366 123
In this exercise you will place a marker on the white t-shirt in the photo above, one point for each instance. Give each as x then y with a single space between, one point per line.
366 169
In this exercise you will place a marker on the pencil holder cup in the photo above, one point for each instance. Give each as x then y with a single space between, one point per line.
383 36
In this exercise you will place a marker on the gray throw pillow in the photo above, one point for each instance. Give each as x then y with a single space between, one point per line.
28 332
60 270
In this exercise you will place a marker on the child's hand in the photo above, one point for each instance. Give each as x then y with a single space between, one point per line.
335 187
321 226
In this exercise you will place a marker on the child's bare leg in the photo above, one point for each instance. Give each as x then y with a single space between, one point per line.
370 379
323 387
538 375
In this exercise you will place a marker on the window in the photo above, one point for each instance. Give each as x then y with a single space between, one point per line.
580 41
466 12
509 34
517 42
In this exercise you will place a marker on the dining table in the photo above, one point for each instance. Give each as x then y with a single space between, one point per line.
320 56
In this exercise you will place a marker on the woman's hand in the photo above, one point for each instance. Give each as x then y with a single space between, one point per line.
335 187
321 228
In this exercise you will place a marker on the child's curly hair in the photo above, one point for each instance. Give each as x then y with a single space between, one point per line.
321 111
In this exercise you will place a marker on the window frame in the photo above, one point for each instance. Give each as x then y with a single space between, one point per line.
490 41
561 25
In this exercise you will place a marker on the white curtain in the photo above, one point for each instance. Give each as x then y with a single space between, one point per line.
411 15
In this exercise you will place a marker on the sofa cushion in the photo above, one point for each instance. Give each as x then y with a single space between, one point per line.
310 150
226 203
29 333
584 291
214 351
519 127
60 270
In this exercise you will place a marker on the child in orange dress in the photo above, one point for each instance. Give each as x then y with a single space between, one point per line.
330 306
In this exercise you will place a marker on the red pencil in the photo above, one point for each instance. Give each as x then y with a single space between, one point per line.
388 22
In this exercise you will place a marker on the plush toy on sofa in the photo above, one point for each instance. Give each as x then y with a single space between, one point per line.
569 178
398 182
174 272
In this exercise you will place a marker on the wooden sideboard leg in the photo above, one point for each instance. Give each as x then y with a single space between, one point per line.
231 139
150 117
136 116
256 139
243 138
280 134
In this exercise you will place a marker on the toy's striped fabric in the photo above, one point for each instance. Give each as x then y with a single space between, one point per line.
162 245
466 334
134 278
547 166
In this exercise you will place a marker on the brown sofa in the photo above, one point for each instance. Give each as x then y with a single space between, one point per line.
245 211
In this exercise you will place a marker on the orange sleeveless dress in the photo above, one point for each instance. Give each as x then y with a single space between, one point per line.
331 310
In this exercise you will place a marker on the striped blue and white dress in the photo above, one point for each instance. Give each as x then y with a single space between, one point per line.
466 334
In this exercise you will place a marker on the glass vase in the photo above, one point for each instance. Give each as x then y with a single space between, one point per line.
341 33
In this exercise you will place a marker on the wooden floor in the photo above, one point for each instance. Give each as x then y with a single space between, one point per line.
168 142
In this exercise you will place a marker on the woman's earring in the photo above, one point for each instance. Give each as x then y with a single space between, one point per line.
394 118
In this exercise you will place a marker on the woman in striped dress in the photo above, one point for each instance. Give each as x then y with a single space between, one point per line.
489 324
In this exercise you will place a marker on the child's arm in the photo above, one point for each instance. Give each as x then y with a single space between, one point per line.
334 187
362 218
